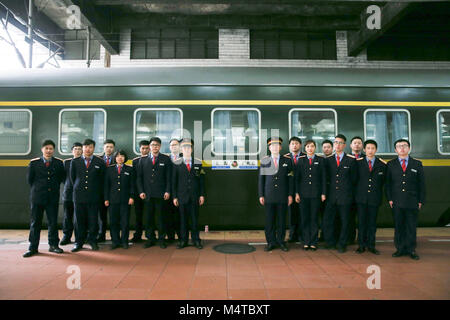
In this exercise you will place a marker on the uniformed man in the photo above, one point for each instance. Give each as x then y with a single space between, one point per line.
173 217
275 188
295 224
144 148
108 158
405 191
77 150
87 175
310 180
356 145
119 193
154 185
368 194
342 176
327 150
188 185
45 174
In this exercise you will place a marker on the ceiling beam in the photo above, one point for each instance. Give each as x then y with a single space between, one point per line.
391 13
142 21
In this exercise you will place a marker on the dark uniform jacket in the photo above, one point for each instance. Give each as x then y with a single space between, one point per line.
342 179
136 162
45 181
369 188
119 188
311 181
188 185
154 180
276 185
68 187
87 182
406 189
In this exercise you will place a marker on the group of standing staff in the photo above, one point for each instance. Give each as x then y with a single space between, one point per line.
305 185
169 189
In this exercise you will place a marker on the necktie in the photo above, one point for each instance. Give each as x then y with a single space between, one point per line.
356 155
310 161
275 162
174 157
370 166
188 165
88 162
337 161
295 159
404 165
107 161
119 168
154 160
47 164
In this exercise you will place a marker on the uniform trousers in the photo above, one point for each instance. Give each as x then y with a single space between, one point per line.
189 211
86 222
309 208
405 221
155 210
37 214
68 219
367 225
275 227
119 220
329 221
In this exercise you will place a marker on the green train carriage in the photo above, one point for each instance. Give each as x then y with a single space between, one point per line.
126 103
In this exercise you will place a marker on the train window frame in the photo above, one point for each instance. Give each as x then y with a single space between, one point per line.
239 153
313 109
153 109
437 131
79 109
30 127
389 110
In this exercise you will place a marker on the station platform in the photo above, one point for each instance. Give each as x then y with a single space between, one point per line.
172 274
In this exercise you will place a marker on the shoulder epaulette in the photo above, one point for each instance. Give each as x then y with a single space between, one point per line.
101 158
331 155
58 159
112 165
359 159
68 159
136 158
302 156
287 155
35 159
350 155
382 161
199 160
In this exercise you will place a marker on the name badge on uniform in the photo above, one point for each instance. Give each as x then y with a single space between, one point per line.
97 167
316 163
196 168
346 167
414 170
380 173
285 165
127 173
161 164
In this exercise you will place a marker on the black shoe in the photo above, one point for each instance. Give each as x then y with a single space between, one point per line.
136 239
101 238
125 245
55 249
115 246
198 245
162 244
306 248
269 247
397 254
374 251
76 248
182 245
65 240
360 250
341 249
292 240
29 253
313 248
149 243
414 256
330 247
94 246
284 247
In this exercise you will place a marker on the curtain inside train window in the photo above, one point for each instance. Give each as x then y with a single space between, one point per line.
162 123
387 126
315 124
79 124
15 132
443 118
235 131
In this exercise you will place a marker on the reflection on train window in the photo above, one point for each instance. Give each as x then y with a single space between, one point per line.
387 126
315 124
163 123
79 124
443 118
15 132
235 131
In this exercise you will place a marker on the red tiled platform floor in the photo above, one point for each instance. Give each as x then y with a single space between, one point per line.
156 273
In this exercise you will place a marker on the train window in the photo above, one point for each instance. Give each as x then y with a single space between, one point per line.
15 131
443 127
163 123
75 125
386 126
235 131
316 124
